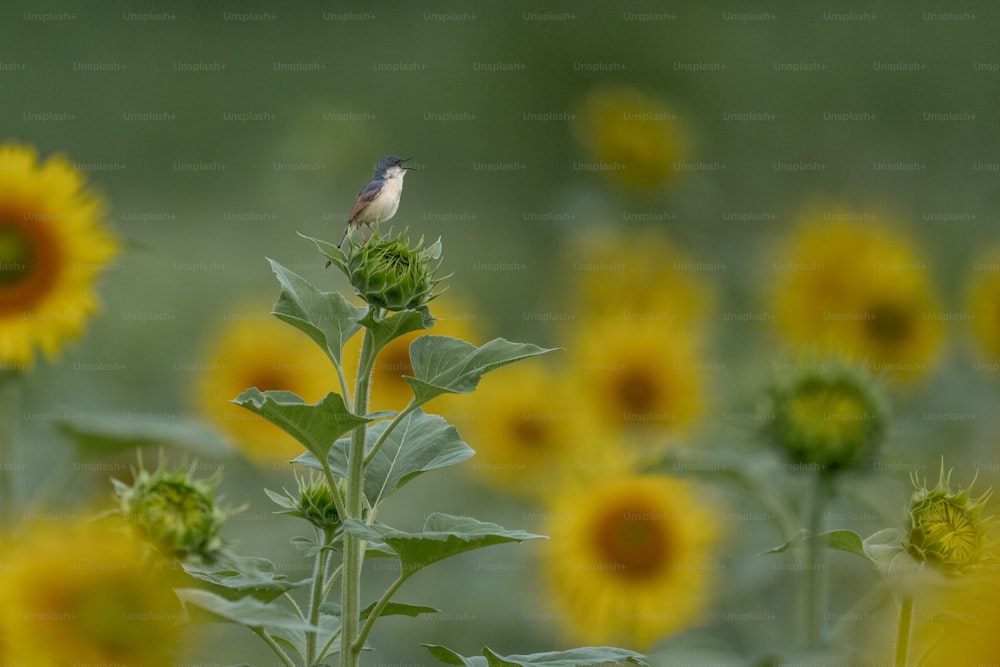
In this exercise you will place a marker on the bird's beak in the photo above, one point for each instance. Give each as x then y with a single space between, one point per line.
407 159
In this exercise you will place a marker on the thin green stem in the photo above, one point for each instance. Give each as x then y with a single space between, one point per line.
328 644
344 390
331 579
10 408
294 605
378 609
316 597
334 489
903 631
815 587
411 406
354 546
278 651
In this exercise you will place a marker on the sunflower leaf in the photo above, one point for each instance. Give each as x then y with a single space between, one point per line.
398 609
97 434
420 442
841 540
326 317
330 251
241 576
578 657
246 611
444 365
397 324
315 425
443 536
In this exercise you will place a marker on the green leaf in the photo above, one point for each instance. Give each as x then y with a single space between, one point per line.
398 324
444 365
398 609
330 251
443 536
97 434
884 548
419 443
326 317
315 425
842 540
246 611
578 657
240 576
794 541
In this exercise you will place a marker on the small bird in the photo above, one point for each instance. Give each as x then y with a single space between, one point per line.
378 200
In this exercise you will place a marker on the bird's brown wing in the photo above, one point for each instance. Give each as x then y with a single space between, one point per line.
365 197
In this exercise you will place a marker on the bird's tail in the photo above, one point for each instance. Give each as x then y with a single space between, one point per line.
343 236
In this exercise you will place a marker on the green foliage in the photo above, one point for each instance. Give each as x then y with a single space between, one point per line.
443 536
326 317
358 460
443 365
316 426
579 657
408 447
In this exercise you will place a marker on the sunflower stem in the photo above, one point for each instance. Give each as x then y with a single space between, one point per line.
10 407
354 546
316 596
379 608
815 587
903 631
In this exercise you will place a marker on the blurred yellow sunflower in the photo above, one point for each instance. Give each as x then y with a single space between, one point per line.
85 594
956 624
389 391
532 435
859 290
634 139
53 245
983 303
269 355
630 559
640 276
637 374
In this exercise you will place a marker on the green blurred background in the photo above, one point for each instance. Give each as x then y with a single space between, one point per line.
136 94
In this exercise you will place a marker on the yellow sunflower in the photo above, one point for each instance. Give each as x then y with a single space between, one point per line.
630 559
640 276
983 303
532 434
638 374
267 354
53 245
955 621
634 139
859 290
85 594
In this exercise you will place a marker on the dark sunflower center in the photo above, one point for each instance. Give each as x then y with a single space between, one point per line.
633 540
891 323
17 255
29 261
636 390
528 431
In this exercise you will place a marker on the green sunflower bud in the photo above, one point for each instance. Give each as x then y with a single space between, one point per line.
314 503
174 511
829 415
946 528
389 274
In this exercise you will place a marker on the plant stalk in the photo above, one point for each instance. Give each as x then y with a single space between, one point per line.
815 586
903 631
316 597
354 546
